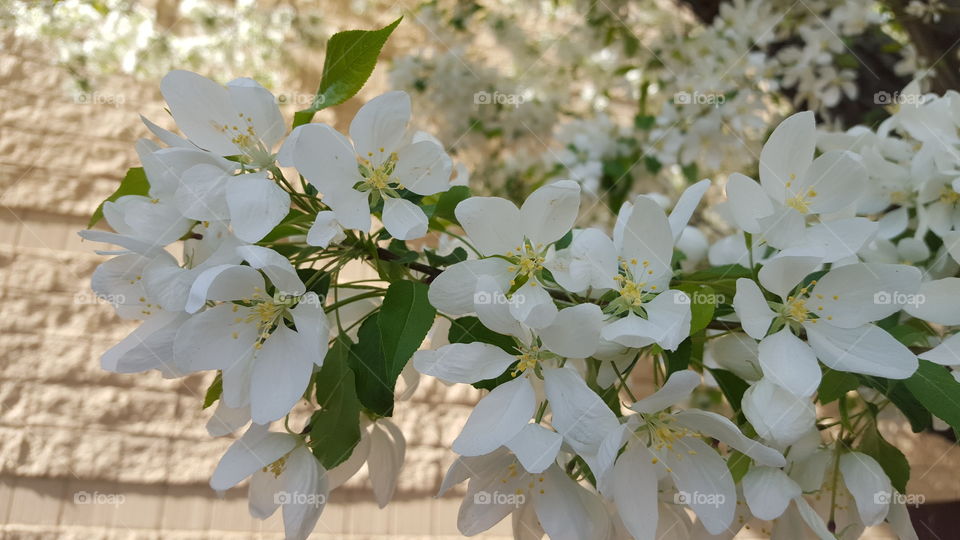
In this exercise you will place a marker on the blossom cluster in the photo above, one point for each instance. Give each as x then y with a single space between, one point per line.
840 273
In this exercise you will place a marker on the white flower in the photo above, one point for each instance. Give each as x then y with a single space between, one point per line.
936 302
514 243
502 417
653 313
668 444
382 447
252 203
545 502
793 185
264 363
777 414
240 119
835 312
283 472
382 160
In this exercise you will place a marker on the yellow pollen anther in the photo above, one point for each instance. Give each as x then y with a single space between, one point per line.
798 203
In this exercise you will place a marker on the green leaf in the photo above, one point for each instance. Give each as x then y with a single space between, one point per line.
898 394
703 302
335 428
214 391
404 254
679 359
726 271
350 59
374 390
319 285
644 121
447 204
457 255
286 227
133 183
835 384
938 391
690 172
739 465
564 241
405 318
609 395
732 387
892 460
471 330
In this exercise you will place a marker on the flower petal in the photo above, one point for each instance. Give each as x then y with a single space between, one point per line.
787 154
256 449
205 341
790 363
748 202
281 372
325 230
575 332
868 350
720 428
777 415
648 244
780 275
750 305
256 206
550 211
260 108
423 168
937 302
452 292
685 206
463 362
323 156
868 484
579 415
277 267
492 224
833 181
768 491
635 492
497 418
380 126
853 295
201 108
703 480
403 219
678 387
532 305
536 447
